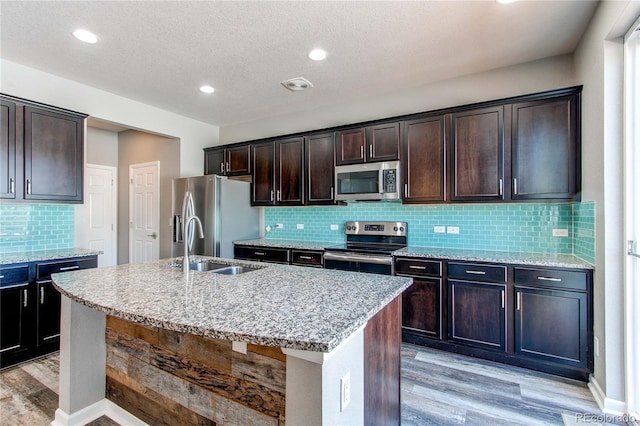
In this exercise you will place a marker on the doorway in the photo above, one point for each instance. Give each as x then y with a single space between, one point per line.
144 212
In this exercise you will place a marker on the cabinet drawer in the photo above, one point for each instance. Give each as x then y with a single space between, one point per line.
558 278
262 254
306 258
475 272
14 274
418 268
44 270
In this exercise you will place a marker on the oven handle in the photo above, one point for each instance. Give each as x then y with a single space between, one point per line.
358 257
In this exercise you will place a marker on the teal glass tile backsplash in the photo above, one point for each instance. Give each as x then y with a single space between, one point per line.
499 227
35 227
584 223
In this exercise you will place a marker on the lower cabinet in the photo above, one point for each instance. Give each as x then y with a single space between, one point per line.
48 313
13 307
262 254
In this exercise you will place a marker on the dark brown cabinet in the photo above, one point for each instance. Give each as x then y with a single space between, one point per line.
423 160
312 258
319 168
545 160
278 177
229 161
42 148
48 313
379 142
15 305
262 254
477 155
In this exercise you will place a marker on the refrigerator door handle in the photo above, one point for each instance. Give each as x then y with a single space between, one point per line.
177 228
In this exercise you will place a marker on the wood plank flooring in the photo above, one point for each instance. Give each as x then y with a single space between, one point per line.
438 388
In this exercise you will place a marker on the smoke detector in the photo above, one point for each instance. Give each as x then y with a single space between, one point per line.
297 84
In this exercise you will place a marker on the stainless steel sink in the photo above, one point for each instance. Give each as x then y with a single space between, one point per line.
206 266
216 268
234 270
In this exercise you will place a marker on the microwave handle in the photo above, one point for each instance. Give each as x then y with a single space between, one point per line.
380 182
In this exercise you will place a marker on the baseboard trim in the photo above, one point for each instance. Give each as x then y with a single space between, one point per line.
94 411
607 405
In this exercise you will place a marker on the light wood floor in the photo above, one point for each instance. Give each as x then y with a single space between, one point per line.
438 388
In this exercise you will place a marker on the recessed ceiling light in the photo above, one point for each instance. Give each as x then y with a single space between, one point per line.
317 54
86 36
207 89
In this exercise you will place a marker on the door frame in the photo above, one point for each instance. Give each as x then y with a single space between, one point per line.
114 204
131 203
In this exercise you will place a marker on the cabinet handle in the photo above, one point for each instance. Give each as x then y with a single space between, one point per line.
42 295
222 167
71 268
502 296
278 195
500 187
12 186
332 192
29 186
1 277
515 186
259 253
406 190
306 257
476 272
417 267
361 151
25 298
518 301
370 151
557 280
228 167
272 195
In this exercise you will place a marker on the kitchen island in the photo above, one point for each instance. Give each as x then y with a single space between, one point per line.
272 345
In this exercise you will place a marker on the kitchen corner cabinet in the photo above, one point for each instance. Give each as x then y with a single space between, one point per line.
545 138
30 308
423 159
42 148
229 161
379 142
477 155
278 177
319 168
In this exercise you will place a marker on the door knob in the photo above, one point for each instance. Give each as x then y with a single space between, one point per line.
154 235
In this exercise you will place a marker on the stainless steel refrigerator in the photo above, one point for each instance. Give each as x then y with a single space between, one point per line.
223 206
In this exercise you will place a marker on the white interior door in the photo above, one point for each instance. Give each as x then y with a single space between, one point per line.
144 212
100 218
632 218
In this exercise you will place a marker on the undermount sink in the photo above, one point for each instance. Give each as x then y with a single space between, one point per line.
206 266
234 270
216 268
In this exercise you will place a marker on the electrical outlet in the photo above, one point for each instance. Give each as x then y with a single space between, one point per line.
596 346
300 226
334 227
561 232
279 226
439 229
345 391
453 229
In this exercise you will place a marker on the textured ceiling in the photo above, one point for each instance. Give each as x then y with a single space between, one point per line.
159 53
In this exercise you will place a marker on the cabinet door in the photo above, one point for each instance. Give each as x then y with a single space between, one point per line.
14 302
214 162
350 146
545 159
552 325
290 176
8 150
383 142
477 155
238 163
477 314
48 313
423 157
53 155
422 306
262 185
320 170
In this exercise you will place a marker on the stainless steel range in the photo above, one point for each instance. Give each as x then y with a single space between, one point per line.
368 248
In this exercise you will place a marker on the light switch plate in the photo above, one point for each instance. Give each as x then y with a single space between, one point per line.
300 226
345 391
439 229
334 227
279 226
453 230
561 232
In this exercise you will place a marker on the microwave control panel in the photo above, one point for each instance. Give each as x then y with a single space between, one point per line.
389 180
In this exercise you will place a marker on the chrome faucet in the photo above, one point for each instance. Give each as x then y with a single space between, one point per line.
185 231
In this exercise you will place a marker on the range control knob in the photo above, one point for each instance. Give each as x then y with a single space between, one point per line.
395 228
402 229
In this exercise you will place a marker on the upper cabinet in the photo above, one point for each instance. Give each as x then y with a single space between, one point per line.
228 161
366 144
477 154
423 159
278 177
545 162
42 150
319 168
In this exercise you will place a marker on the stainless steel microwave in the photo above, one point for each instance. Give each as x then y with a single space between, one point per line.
368 181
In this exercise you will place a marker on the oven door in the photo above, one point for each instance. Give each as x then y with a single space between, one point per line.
359 262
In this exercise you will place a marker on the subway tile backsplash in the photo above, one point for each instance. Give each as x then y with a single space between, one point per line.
499 227
584 225
26 227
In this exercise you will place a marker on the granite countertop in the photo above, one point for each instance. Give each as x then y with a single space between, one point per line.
294 244
40 255
532 259
278 305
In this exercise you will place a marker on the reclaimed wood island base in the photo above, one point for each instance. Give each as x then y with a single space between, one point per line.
137 373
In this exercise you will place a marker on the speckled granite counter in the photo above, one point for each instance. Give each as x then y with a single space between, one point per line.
277 305
294 244
40 255
534 259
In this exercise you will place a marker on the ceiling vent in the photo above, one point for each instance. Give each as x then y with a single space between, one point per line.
297 84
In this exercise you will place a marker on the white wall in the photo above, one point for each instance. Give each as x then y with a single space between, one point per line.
29 83
598 62
538 76
101 147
